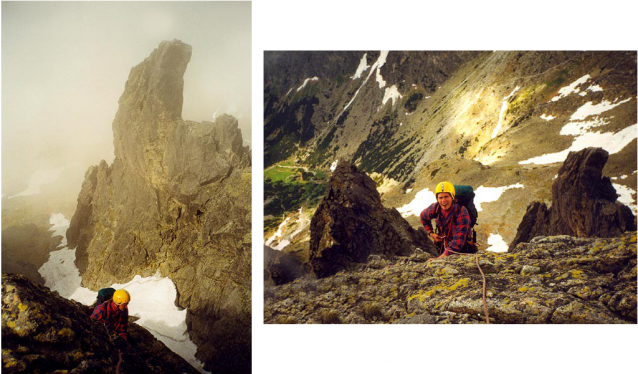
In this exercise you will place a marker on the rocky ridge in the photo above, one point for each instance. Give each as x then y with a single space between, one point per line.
45 333
557 279
175 200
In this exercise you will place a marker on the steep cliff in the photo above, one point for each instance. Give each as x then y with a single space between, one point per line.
45 333
175 200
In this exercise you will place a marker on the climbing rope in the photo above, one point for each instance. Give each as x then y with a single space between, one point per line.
119 352
487 315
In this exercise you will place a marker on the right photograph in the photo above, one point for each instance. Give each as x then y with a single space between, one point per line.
446 187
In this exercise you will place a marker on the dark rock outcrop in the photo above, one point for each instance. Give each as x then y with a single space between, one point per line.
584 203
175 200
45 333
351 224
558 279
281 267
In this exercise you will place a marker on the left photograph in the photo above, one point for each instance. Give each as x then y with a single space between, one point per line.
126 187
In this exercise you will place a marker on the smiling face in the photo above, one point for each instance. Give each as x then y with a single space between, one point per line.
122 306
445 200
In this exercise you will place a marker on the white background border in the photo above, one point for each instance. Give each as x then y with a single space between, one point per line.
421 25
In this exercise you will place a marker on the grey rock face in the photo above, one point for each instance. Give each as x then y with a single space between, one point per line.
350 224
175 200
584 203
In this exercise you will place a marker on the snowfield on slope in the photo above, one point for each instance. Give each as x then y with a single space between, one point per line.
585 137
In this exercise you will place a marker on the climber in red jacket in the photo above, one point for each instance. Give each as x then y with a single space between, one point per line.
114 313
452 221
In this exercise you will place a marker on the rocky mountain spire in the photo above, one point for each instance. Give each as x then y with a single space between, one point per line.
584 203
176 200
350 224
152 96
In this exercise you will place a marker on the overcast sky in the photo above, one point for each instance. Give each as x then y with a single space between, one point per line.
64 66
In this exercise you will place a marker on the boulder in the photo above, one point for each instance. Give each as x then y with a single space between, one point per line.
584 203
351 224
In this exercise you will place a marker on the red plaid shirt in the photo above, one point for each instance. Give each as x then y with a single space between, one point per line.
114 319
455 227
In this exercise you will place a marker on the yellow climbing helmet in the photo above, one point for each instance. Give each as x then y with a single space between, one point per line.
121 297
445 187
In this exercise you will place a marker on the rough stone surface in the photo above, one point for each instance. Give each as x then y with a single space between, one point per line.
350 224
584 203
281 267
175 200
45 333
579 280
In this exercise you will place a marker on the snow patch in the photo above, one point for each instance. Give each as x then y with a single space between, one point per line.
381 61
363 66
376 66
422 200
279 232
581 127
306 82
595 88
502 113
333 166
490 194
408 190
496 243
284 241
547 118
288 92
391 93
625 196
589 109
611 142
572 88
39 179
